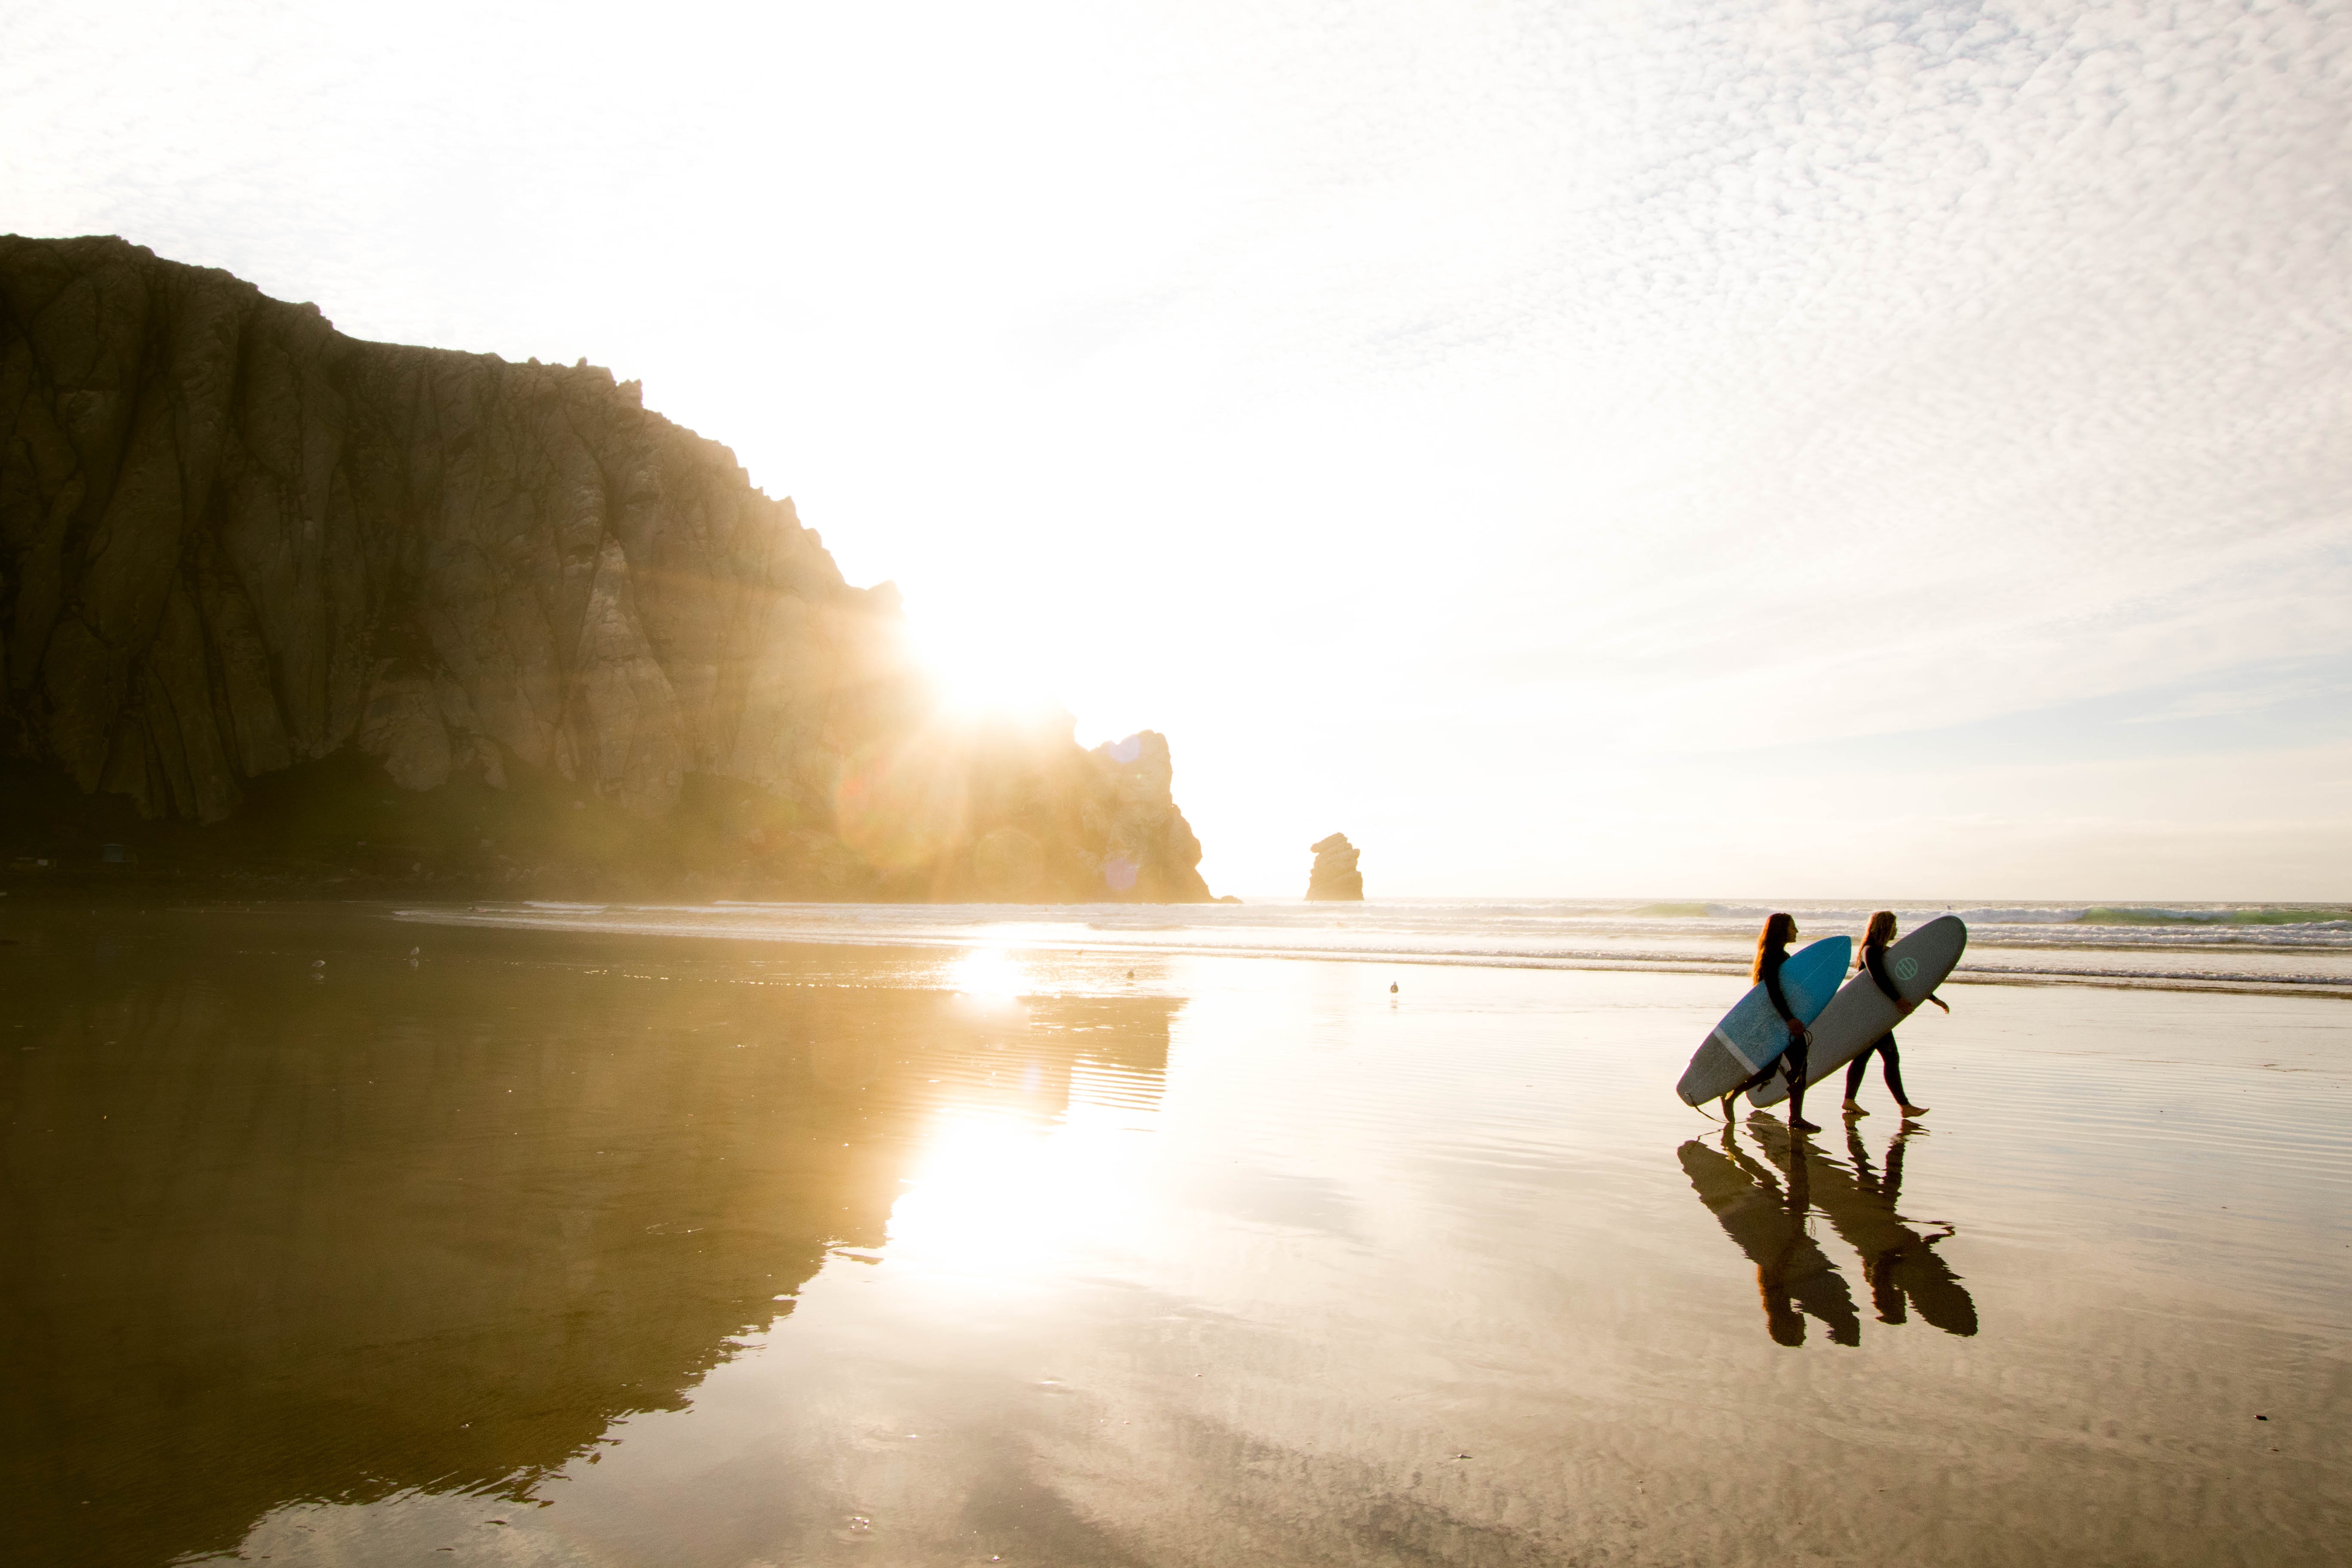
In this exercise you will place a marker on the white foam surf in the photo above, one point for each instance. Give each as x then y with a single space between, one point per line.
2306 950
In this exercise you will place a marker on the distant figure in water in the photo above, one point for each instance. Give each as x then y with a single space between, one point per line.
1871 961
1392 991
1771 953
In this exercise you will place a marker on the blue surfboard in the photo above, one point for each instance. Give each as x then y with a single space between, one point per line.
1751 1034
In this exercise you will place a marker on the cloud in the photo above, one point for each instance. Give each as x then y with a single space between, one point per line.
1400 391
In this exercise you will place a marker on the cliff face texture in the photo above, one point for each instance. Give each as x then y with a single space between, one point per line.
253 571
1334 876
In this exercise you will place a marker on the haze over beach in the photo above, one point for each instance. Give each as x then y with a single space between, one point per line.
1485 785
1520 421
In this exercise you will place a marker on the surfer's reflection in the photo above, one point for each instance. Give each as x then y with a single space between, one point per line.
1793 1276
1898 1259
1768 1220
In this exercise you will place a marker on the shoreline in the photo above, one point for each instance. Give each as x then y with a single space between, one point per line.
1650 963
1058 929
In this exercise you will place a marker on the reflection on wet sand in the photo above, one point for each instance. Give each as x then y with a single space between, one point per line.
482 1261
1794 1276
1898 1260
273 1238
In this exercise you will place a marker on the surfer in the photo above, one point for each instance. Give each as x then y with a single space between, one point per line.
1871 961
1772 952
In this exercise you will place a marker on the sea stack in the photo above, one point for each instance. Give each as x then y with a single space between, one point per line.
1335 877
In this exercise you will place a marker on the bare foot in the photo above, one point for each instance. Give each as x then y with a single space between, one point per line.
1799 1124
1855 1109
1911 1111
1726 1106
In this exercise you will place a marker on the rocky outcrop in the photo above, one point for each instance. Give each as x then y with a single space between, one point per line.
1006 813
1334 876
235 544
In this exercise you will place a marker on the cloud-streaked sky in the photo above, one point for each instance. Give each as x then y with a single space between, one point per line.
1744 449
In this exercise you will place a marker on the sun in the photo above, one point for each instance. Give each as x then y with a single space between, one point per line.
986 676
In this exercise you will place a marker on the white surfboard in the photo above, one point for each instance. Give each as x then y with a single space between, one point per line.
1860 1012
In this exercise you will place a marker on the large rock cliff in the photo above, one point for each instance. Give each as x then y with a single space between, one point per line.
252 572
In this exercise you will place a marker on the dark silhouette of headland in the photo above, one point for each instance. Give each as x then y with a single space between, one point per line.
283 607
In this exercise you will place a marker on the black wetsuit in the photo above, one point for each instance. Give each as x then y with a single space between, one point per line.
1795 1056
1873 963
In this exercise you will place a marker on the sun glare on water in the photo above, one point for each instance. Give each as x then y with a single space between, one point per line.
995 1194
1026 1164
988 974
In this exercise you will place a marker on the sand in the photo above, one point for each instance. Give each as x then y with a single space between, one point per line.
568 1248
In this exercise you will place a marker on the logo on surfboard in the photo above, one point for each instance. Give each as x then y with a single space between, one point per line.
1906 967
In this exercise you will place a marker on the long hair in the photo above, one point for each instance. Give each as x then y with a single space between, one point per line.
1772 944
1880 932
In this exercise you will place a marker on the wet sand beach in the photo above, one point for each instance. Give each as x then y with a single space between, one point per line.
579 1246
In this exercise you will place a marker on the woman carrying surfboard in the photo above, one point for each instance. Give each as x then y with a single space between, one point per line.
1771 953
1748 1045
1871 961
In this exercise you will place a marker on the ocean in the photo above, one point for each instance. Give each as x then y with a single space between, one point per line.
2289 949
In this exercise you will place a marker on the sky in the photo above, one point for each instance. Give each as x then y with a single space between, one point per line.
1735 449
